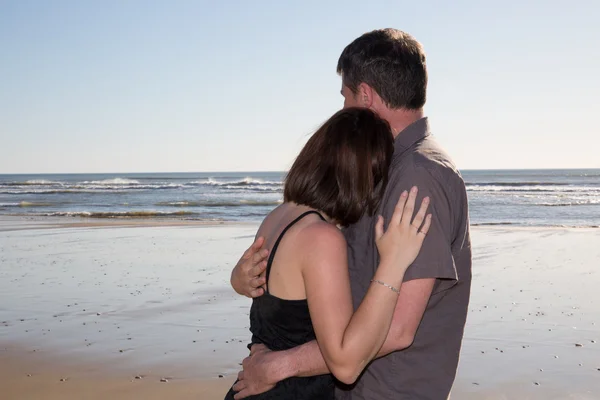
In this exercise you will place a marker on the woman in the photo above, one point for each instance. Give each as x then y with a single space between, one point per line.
340 174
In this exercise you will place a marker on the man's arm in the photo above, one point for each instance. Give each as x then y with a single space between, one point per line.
247 277
412 302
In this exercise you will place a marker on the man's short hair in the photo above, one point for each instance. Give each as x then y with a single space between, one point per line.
392 62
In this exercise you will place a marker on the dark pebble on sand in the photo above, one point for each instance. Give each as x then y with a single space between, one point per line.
578 345
536 383
29 375
165 380
221 376
138 377
63 379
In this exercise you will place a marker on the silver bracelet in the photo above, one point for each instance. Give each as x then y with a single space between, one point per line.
393 289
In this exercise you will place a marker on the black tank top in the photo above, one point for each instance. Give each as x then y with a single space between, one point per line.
282 324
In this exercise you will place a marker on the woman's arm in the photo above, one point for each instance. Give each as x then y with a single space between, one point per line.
349 341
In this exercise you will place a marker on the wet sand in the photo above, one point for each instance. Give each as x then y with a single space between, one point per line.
98 304
533 330
18 223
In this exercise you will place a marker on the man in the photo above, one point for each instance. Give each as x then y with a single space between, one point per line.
385 71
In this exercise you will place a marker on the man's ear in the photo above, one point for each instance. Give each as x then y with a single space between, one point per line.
365 95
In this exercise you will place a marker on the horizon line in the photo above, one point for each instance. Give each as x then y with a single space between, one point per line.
270 171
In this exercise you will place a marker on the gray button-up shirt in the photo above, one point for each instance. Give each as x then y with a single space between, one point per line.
426 369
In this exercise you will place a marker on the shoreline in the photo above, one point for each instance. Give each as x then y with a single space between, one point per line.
20 222
16 223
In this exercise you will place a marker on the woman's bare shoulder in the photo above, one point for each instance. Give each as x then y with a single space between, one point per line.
320 238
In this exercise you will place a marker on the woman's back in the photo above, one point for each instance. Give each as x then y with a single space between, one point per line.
280 319
285 276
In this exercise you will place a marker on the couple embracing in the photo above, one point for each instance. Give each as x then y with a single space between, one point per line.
361 279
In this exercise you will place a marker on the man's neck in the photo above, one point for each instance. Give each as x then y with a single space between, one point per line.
400 119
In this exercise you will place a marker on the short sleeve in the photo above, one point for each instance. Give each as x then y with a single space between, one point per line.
435 259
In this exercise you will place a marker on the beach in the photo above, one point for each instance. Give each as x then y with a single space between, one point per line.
91 309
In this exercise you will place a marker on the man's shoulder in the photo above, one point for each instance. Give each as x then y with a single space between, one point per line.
431 155
429 167
426 163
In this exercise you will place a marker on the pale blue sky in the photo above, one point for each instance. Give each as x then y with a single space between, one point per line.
131 86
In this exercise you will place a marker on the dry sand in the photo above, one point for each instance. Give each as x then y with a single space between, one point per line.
27 375
100 303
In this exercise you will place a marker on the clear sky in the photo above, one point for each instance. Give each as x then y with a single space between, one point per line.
133 86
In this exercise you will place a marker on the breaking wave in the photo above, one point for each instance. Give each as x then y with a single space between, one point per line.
240 203
244 182
23 204
117 214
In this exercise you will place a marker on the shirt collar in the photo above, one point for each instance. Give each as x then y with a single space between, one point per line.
410 135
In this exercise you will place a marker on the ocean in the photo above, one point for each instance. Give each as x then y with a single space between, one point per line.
569 198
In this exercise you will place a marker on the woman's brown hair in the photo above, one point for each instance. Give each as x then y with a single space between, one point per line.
343 168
